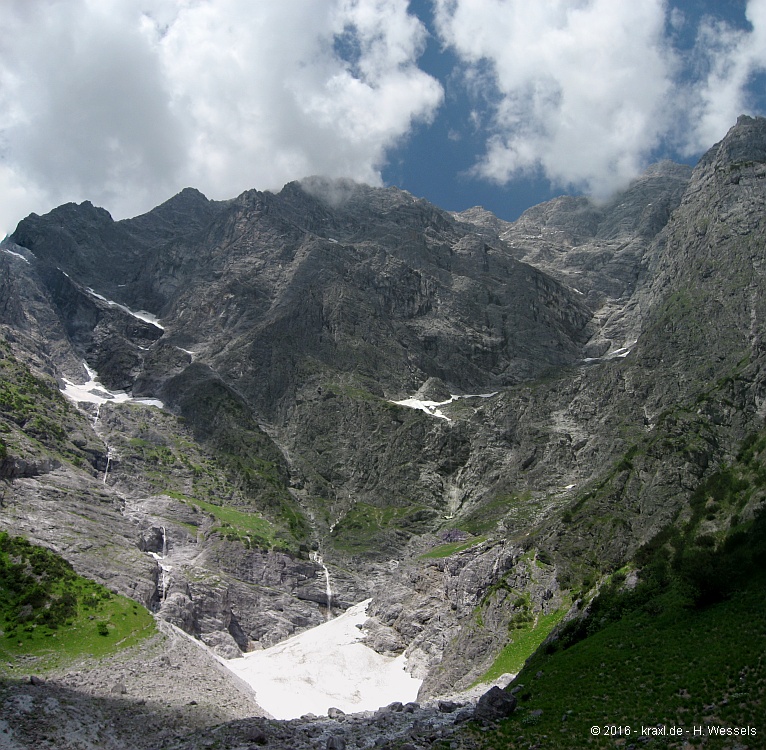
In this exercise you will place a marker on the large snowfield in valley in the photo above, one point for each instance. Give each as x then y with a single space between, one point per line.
326 667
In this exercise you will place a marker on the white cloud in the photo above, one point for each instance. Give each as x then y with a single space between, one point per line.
726 59
125 102
83 106
581 88
584 91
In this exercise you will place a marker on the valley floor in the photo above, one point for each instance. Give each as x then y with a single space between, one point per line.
151 695
170 693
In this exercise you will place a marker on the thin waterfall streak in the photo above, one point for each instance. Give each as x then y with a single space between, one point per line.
108 461
328 591
163 581
317 558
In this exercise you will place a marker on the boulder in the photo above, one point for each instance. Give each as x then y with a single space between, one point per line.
495 704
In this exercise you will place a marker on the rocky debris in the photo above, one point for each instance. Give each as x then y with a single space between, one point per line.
495 704
148 696
170 693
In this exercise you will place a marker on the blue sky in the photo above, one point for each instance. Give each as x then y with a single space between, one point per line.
435 164
500 103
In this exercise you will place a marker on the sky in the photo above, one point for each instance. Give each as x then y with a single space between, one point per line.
500 103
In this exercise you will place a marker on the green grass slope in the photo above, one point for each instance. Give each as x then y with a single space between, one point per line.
679 644
49 615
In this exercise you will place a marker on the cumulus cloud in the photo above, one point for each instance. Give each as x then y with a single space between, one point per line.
580 88
125 102
725 60
83 107
585 91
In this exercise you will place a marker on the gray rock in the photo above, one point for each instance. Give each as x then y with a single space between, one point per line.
495 704
258 737
299 344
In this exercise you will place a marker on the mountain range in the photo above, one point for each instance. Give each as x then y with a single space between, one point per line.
499 431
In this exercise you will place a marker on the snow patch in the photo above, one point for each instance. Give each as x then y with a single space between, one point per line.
620 353
139 314
187 351
15 254
432 407
93 392
326 667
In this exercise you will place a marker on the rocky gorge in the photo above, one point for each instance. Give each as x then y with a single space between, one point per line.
474 422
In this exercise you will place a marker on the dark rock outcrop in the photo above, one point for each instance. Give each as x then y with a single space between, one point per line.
494 705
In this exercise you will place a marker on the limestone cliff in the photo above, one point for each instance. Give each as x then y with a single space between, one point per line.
607 359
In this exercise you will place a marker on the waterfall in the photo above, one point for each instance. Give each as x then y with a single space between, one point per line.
164 582
327 591
164 579
317 558
109 455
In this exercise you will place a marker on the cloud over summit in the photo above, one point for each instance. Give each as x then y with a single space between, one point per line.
126 102
584 91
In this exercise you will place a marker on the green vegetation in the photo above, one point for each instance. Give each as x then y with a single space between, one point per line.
236 525
451 548
34 407
516 509
526 639
22 395
243 453
50 614
599 520
163 452
684 645
685 667
363 528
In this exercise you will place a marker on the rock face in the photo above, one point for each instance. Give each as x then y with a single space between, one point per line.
268 286
606 359
597 249
460 607
495 704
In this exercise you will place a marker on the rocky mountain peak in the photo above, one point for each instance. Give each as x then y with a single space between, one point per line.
475 421
744 144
